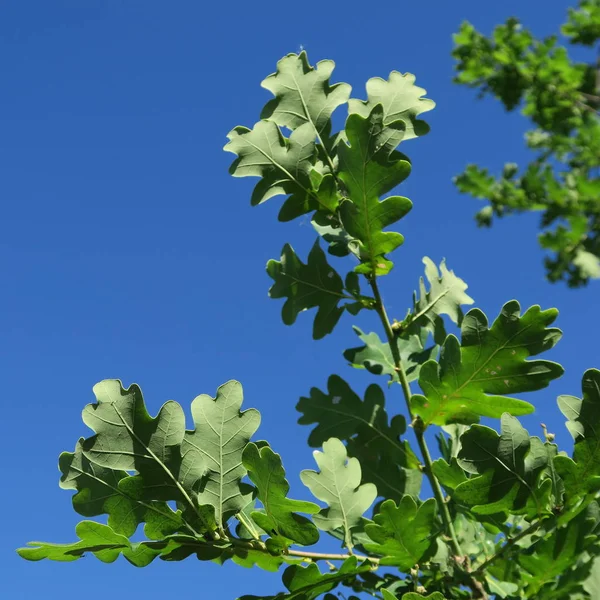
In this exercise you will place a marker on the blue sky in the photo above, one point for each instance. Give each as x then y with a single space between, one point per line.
127 251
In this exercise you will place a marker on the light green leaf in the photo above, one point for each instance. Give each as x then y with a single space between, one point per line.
403 533
376 356
369 168
338 484
581 474
510 471
99 539
280 516
221 434
284 165
303 94
445 296
401 100
312 285
488 361
386 461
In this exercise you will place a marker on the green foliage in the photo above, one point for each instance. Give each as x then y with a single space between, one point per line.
371 437
402 534
561 97
280 513
581 474
338 485
511 471
310 285
446 295
511 516
471 374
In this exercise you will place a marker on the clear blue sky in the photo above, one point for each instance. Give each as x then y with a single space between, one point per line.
127 250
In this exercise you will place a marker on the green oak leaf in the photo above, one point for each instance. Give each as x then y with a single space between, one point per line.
370 167
280 516
96 538
129 439
308 583
556 554
221 434
338 484
102 490
471 374
402 534
509 471
303 94
401 100
386 460
445 296
284 165
581 474
312 285
376 356
450 475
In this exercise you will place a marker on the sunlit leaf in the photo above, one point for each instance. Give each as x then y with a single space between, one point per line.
338 485
472 374
370 167
402 534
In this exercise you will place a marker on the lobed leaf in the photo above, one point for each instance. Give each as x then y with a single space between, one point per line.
488 361
510 471
284 165
312 285
280 516
386 460
402 533
376 356
102 490
445 296
96 538
401 100
338 484
303 94
581 474
370 167
221 434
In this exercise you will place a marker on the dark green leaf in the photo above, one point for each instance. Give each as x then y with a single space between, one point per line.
310 285
510 471
370 167
581 474
487 362
386 461
280 512
102 490
308 583
283 165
